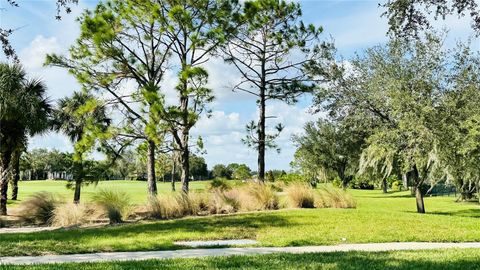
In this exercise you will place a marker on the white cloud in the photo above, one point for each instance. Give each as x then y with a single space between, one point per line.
34 55
218 123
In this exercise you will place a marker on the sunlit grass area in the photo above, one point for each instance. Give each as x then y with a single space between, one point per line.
377 218
137 190
433 259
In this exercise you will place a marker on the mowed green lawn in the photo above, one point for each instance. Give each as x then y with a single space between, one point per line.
452 259
137 190
378 218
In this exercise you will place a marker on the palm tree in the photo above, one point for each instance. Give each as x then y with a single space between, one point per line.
73 117
24 111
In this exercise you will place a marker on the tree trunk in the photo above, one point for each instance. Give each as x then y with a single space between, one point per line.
185 178
419 199
184 140
173 172
4 174
384 185
174 163
76 195
418 192
78 177
341 174
405 180
261 136
151 179
16 176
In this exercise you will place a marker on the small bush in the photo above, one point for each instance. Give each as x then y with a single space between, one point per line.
220 184
362 183
69 214
292 178
115 204
300 196
3 223
334 198
39 208
397 186
337 182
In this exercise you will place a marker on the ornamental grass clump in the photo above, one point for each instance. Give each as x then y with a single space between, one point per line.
178 205
39 208
224 202
300 196
261 196
334 198
164 207
70 214
114 204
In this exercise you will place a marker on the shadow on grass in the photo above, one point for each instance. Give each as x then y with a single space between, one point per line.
473 213
65 241
341 260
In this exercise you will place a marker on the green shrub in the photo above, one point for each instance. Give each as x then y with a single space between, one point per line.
337 182
39 208
292 178
115 204
300 196
397 186
362 183
220 184
269 176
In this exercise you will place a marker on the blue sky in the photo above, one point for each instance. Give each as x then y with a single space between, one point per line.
354 26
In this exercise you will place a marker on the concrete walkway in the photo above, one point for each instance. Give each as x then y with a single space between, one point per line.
197 253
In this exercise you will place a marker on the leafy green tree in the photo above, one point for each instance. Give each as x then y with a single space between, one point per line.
329 146
125 43
408 17
197 29
84 120
408 77
240 171
198 167
24 111
221 171
37 163
272 52
243 172
459 139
